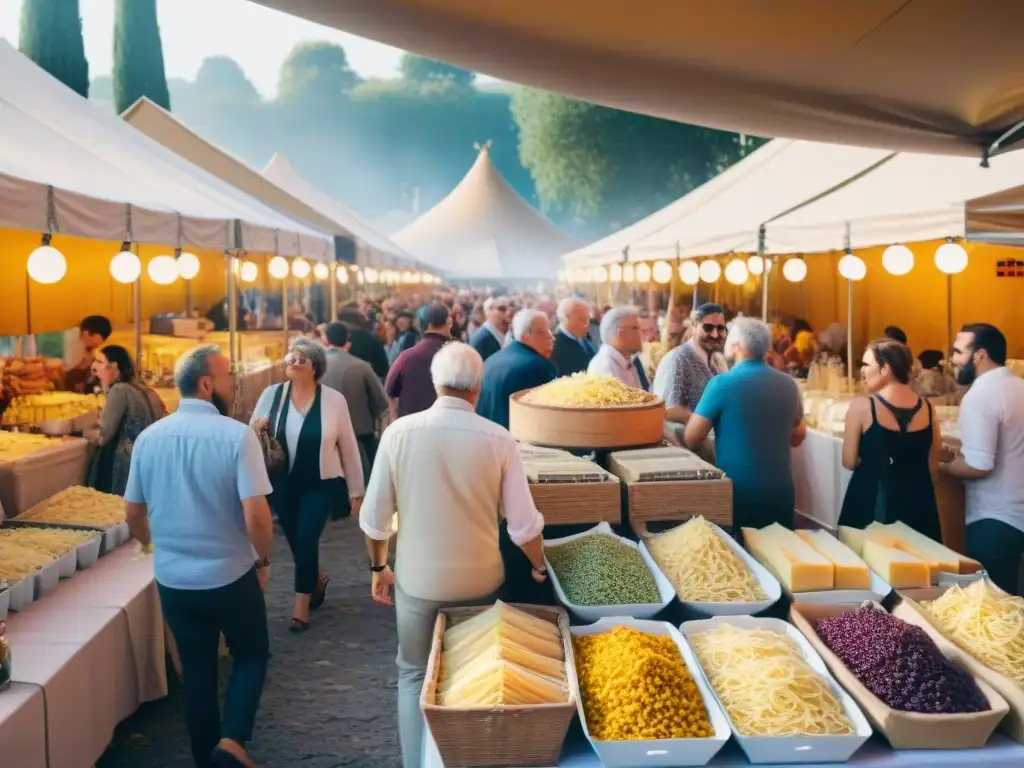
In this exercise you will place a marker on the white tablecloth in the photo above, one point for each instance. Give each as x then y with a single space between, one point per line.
820 478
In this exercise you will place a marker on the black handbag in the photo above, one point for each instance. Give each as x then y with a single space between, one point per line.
274 455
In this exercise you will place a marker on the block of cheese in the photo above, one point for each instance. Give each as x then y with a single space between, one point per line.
851 572
853 538
939 557
901 569
798 565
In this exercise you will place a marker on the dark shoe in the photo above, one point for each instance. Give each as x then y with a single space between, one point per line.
297 627
221 758
320 593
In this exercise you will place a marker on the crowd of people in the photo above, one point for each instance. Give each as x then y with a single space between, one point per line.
439 369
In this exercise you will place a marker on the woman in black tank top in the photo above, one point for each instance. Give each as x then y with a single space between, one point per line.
892 444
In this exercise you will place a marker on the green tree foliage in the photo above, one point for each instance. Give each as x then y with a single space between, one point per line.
606 168
419 70
138 55
51 35
316 72
221 79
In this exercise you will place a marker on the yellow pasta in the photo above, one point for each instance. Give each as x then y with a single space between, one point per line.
16 562
55 541
82 506
766 686
583 390
17 445
985 622
701 566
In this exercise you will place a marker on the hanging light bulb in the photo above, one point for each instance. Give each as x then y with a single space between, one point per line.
370 275
643 273
628 273
342 275
710 271
188 265
601 273
662 272
162 270
852 267
321 271
689 272
736 272
615 273
278 268
794 270
360 277
125 267
248 272
300 268
561 275
47 265
755 265
951 258
898 260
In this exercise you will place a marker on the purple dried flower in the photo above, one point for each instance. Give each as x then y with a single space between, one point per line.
899 663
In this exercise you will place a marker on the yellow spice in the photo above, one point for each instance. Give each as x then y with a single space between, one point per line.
635 686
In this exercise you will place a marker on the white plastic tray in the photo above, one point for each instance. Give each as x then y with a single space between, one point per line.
67 564
88 552
5 603
595 612
657 752
768 583
46 579
792 749
23 593
878 591
951 579
123 533
111 541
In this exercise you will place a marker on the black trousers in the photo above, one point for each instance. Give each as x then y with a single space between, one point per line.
998 547
368 447
197 618
303 510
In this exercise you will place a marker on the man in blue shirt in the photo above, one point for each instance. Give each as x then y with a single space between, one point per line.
523 364
490 337
197 492
757 415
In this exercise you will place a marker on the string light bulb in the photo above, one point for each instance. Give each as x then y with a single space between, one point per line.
852 267
278 268
710 271
794 270
951 258
248 272
300 268
736 272
46 265
125 267
898 260
643 273
321 271
162 270
188 265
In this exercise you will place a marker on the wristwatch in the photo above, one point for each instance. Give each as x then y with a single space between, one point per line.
378 568
261 564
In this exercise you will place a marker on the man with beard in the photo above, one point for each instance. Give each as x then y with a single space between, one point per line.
686 370
197 493
992 455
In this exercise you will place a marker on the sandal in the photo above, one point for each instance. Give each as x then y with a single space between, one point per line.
320 593
298 626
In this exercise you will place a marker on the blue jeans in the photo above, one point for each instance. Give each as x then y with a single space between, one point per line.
303 512
197 618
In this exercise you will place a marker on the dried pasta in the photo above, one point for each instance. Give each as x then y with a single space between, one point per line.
765 684
79 505
985 622
54 541
16 561
587 391
701 566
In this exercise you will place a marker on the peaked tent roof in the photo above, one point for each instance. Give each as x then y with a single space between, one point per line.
725 213
484 229
281 173
928 76
105 178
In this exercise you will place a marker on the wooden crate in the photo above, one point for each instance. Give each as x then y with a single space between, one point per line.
679 501
573 503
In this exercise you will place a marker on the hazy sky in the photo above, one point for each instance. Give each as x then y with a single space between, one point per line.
255 36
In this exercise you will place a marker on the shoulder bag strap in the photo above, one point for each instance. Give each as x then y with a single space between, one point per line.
275 411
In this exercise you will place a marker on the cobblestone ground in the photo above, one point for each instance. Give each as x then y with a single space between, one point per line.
330 694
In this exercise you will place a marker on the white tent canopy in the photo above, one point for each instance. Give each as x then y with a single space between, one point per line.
912 198
484 229
68 166
726 213
383 252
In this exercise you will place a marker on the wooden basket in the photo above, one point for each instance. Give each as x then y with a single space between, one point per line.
526 736
679 501
616 427
572 503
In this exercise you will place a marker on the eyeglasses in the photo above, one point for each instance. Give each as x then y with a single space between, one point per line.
711 328
295 359
500 309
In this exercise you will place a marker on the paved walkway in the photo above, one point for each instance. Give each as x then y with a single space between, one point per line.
330 695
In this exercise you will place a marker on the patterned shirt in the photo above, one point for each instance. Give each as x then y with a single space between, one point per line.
683 374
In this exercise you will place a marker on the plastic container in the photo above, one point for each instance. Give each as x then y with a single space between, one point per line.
657 752
67 564
46 579
88 552
595 612
793 749
22 593
878 591
5 603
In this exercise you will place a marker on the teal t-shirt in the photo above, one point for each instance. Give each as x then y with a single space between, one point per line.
754 408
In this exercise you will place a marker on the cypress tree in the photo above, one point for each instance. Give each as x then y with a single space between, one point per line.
51 35
138 55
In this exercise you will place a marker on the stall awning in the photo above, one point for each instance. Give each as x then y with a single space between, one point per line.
939 76
725 213
70 166
912 198
383 252
484 229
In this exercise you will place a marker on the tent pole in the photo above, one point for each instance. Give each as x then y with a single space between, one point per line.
333 277
949 315
28 304
232 309
849 329
764 275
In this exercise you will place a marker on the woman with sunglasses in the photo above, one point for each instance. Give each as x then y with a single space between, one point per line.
312 424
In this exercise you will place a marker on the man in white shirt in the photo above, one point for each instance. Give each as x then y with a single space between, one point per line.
991 461
452 473
621 341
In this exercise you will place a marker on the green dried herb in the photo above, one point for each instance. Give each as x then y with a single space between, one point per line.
601 570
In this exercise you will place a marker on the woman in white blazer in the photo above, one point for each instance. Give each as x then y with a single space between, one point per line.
312 424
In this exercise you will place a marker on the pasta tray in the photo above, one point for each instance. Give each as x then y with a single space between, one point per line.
791 750
657 752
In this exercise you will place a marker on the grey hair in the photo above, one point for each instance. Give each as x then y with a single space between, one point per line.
752 335
489 303
523 322
565 306
613 318
192 366
457 366
316 353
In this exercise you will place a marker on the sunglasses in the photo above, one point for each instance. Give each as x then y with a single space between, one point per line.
711 327
294 359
